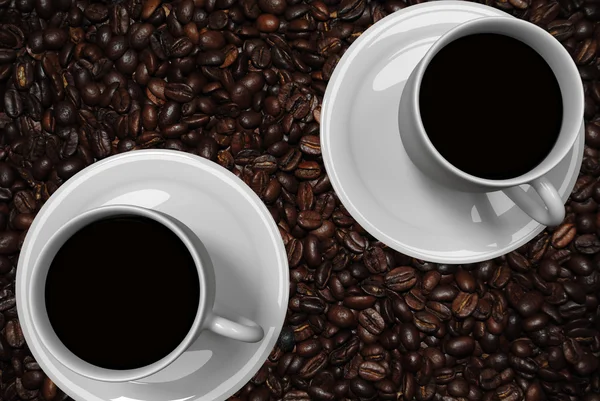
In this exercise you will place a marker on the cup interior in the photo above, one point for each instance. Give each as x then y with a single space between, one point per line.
561 64
36 295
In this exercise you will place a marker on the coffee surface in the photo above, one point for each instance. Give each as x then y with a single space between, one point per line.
491 106
122 293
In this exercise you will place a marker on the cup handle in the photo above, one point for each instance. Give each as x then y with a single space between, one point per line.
250 333
551 213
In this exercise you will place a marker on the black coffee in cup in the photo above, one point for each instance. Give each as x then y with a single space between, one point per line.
491 106
122 293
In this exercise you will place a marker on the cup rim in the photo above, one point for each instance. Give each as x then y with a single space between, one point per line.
36 290
456 33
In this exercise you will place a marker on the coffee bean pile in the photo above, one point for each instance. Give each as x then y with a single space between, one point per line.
240 82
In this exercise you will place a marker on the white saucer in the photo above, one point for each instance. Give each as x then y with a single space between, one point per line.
245 247
370 170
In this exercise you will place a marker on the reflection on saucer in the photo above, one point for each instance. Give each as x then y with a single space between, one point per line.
133 399
185 365
149 198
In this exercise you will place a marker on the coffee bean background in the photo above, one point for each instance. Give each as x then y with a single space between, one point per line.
240 82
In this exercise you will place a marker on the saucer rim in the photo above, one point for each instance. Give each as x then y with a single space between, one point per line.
336 81
70 386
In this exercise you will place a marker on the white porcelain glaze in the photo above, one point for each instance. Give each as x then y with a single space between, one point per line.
424 155
251 281
206 318
371 171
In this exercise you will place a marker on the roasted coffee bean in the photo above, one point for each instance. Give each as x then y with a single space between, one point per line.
309 219
33 379
587 244
342 317
549 270
371 371
240 83
13 103
464 304
312 305
465 281
178 92
427 322
371 320
563 235
360 302
409 336
509 392
460 347
530 303
401 278
308 170
54 38
14 334
443 293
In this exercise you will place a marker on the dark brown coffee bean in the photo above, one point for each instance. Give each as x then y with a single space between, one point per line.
307 170
14 334
401 278
178 92
575 291
360 302
580 265
409 336
309 219
33 379
305 197
96 12
362 388
9 242
294 250
313 365
530 303
375 260
371 320
549 270
464 304
465 281
586 51
561 29
342 317
444 313
296 395
443 293
371 371
355 242
427 322
13 103
310 145
24 202
509 392
54 38
459 347
587 244
518 262
458 387
267 23
312 305
312 252
308 348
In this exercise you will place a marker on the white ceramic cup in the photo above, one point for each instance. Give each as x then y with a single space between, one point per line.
205 317
424 155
